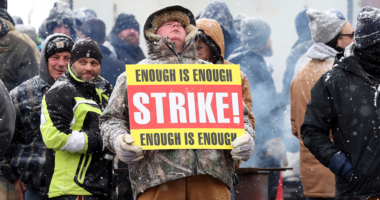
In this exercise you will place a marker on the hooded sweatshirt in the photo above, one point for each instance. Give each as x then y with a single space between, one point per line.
59 14
168 164
219 12
26 156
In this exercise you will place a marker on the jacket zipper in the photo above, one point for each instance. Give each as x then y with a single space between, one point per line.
178 54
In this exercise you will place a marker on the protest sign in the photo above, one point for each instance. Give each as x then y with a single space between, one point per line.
185 106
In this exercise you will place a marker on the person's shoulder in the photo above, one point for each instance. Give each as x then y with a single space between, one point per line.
62 85
32 83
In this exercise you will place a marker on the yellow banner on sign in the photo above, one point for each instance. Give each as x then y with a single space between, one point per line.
183 74
195 138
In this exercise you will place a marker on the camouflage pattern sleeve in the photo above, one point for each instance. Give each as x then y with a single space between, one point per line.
115 117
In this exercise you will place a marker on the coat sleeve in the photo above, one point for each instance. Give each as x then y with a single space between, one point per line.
247 98
28 66
293 109
319 118
57 116
115 117
7 118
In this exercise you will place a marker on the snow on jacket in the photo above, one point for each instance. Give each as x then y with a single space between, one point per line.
126 53
345 100
59 14
26 156
7 116
219 12
212 29
167 165
74 105
17 61
264 104
317 180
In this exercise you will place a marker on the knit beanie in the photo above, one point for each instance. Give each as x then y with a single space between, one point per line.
367 31
324 26
125 21
58 44
254 32
237 20
85 48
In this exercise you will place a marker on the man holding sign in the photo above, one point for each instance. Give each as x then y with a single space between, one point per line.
173 123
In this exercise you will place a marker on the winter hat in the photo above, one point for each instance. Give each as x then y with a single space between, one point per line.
82 15
367 31
254 32
125 21
302 23
17 20
338 12
237 20
85 48
60 14
170 13
5 15
58 44
324 26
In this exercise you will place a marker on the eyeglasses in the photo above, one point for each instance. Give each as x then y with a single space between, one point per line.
351 34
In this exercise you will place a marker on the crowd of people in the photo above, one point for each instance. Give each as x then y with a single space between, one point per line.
64 119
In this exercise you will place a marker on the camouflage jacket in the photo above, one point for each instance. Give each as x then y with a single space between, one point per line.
160 166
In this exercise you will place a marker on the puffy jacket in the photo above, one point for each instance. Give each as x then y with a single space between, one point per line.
74 105
167 165
212 29
317 180
345 100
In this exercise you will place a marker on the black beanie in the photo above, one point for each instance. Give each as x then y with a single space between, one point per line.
367 31
58 44
85 48
125 21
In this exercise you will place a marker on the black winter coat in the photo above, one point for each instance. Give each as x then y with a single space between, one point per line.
127 54
345 100
111 67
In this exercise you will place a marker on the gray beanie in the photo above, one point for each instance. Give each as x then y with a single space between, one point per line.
254 32
324 26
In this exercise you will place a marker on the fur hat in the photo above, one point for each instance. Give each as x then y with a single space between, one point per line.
171 13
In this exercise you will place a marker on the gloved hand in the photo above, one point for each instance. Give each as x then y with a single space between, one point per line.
242 147
276 150
125 151
341 166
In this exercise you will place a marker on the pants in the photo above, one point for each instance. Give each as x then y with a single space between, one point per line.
317 198
31 194
189 188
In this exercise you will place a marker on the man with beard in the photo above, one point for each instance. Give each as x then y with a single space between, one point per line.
331 35
270 151
346 101
76 163
124 39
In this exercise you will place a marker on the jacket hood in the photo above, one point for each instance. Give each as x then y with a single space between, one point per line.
59 14
150 33
219 12
83 14
4 28
44 71
302 26
212 29
5 15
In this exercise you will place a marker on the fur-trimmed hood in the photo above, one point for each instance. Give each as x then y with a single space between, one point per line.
160 48
177 12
